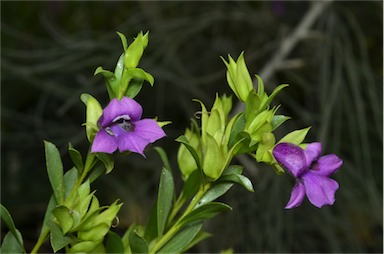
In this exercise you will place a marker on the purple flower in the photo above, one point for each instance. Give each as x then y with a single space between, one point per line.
121 128
311 172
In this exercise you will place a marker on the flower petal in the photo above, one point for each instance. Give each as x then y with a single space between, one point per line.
104 143
327 165
312 152
291 157
149 129
297 195
320 189
116 108
129 141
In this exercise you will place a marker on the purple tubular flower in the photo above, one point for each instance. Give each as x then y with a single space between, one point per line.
311 172
121 127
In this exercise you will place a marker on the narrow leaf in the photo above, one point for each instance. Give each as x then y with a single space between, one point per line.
58 239
182 139
164 199
181 239
163 157
205 212
240 179
55 171
107 160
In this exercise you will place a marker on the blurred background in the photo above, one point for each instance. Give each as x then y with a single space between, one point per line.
329 53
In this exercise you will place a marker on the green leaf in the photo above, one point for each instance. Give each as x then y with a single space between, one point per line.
151 226
114 243
192 185
7 218
237 127
198 238
55 171
181 239
107 160
163 157
240 179
70 178
96 172
76 157
58 239
11 243
137 243
295 137
205 212
164 199
182 139
48 215
123 40
216 191
64 218
93 113
274 93
278 120
134 87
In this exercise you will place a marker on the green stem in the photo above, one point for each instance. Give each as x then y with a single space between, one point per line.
40 241
174 229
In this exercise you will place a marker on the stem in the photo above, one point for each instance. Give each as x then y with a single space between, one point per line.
174 229
40 241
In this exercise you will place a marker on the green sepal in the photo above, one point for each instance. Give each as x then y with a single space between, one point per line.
123 40
214 160
70 178
135 50
264 149
55 171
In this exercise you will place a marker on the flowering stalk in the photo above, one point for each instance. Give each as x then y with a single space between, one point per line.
75 221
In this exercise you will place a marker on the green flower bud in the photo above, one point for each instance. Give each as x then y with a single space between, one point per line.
187 163
238 77
84 247
135 51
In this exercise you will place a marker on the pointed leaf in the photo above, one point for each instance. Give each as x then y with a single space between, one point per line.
278 120
7 218
182 139
55 171
163 157
76 157
181 239
64 218
114 243
295 137
164 199
137 243
205 212
240 179
11 243
58 239
70 178
107 160
123 40
200 236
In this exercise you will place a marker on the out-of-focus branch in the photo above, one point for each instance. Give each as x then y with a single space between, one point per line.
286 46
